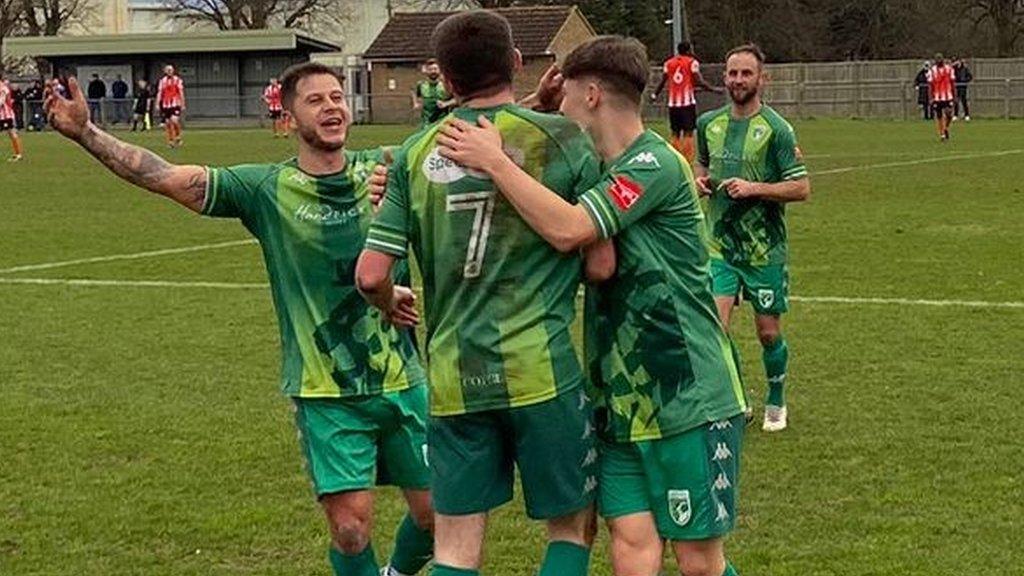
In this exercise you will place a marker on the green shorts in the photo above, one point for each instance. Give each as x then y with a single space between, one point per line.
688 481
355 443
473 458
765 287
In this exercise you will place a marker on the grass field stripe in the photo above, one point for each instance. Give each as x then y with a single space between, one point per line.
131 256
932 160
85 282
906 302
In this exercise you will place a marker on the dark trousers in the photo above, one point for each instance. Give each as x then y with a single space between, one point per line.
926 107
961 101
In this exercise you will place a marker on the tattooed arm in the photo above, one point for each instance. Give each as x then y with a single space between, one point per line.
185 185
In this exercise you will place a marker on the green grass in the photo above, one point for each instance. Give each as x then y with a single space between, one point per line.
141 431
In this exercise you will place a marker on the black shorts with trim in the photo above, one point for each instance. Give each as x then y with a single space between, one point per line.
6 124
170 112
682 118
942 105
274 114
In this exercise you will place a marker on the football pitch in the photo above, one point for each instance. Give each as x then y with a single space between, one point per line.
142 432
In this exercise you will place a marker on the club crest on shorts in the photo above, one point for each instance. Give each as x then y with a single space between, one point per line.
679 508
765 298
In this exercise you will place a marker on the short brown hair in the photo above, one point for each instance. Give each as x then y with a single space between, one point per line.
294 74
475 51
430 62
749 48
618 62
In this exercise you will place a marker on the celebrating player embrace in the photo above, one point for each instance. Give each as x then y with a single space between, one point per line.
355 381
670 402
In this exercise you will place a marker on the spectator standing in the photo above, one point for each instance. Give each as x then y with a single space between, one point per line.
921 83
34 101
963 77
18 102
97 91
142 105
119 90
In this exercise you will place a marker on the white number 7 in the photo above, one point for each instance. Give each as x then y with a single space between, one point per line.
483 204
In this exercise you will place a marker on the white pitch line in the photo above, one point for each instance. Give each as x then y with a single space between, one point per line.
131 256
906 302
85 282
132 283
917 162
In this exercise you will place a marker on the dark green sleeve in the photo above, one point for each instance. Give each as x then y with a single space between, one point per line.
703 153
232 192
786 154
627 193
389 232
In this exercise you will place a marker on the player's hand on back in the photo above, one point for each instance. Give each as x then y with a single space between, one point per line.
703 185
69 116
477 147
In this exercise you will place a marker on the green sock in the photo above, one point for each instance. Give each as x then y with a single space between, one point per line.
414 547
730 571
362 564
776 359
442 570
565 559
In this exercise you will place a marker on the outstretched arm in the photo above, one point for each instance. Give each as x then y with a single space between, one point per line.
699 78
186 185
661 85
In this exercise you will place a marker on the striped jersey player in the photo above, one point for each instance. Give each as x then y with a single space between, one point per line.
170 98
275 110
682 75
7 119
941 81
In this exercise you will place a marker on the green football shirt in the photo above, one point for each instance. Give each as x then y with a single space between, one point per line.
311 230
658 355
761 148
430 94
498 300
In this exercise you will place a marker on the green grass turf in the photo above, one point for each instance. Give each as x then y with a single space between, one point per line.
141 431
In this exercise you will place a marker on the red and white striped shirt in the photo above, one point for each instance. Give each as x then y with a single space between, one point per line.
6 102
170 92
272 96
941 80
681 70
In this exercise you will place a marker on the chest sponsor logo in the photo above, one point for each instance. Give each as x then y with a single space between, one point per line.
625 192
441 170
645 158
679 508
326 215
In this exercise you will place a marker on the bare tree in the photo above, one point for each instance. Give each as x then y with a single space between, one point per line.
1005 16
258 14
49 17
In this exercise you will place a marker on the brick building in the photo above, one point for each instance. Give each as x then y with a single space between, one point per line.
544 34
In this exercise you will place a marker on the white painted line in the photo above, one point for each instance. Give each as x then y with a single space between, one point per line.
85 282
933 160
132 256
906 302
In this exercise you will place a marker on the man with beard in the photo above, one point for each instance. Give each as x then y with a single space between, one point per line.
356 382
430 96
749 163
670 405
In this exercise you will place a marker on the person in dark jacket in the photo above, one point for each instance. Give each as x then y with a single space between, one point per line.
119 90
97 91
34 101
963 79
143 103
921 84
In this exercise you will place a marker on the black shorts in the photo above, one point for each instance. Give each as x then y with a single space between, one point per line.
682 118
274 114
6 124
942 105
170 112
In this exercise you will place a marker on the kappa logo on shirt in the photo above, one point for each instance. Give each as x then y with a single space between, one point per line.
645 158
625 192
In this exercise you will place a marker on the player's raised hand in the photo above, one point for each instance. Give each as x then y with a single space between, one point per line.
403 307
69 116
378 183
477 147
550 89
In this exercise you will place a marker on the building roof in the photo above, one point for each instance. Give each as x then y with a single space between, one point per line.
407 35
177 43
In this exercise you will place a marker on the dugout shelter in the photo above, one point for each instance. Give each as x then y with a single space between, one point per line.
224 72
